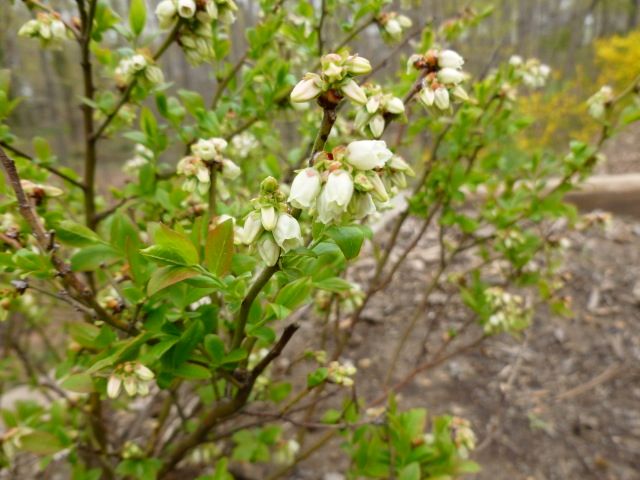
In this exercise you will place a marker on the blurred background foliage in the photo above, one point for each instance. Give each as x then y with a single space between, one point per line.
587 43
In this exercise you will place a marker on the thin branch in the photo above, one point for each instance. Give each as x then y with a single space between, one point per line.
49 168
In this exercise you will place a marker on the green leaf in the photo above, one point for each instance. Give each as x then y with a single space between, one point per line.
348 238
334 284
76 235
294 293
410 472
90 258
235 356
137 16
219 248
316 378
192 371
165 237
79 382
187 343
166 276
84 334
214 345
41 443
42 149
165 255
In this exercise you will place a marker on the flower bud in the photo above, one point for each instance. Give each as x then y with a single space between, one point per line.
354 92
306 89
205 149
230 170
361 182
138 62
143 372
357 65
450 59
113 386
186 8
379 192
394 105
166 11
368 154
154 75
460 93
268 249
268 185
58 30
427 96
29 29
393 28
515 60
305 188
130 385
441 98
404 21
268 217
376 125
362 205
333 72
373 104
362 118
450 76
398 163
287 232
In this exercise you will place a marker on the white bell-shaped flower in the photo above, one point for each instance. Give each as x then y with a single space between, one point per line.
368 154
230 169
186 8
450 76
287 232
450 59
441 98
335 196
268 249
305 188
354 92
306 89
252 228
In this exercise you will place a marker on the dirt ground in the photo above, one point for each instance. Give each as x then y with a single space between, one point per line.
561 403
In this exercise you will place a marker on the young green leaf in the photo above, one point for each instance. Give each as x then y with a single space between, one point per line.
219 248
137 16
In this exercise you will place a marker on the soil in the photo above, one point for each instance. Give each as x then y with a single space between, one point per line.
563 402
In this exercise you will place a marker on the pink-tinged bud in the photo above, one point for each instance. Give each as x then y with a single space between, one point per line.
354 92
441 98
305 188
306 89
450 59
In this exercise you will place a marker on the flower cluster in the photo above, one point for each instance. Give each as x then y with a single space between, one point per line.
335 81
533 73
393 25
371 117
141 158
141 67
598 102
341 374
350 181
442 79
47 27
508 313
207 154
269 225
133 375
196 34
463 435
